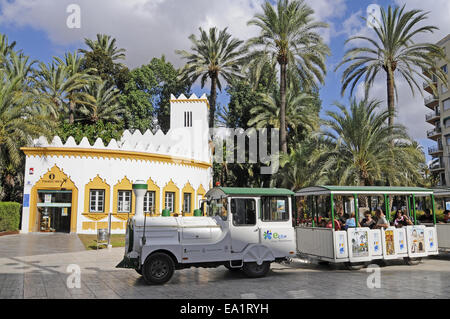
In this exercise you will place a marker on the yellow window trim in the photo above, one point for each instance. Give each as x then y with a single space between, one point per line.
151 186
188 189
171 187
123 185
96 183
105 153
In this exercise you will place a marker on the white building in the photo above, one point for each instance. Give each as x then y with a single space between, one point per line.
79 188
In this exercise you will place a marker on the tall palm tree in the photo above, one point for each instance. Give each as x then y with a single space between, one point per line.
289 36
58 86
72 64
297 170
392 49
18 121
361 149
5 48
298 113
106 44
213 56
105 105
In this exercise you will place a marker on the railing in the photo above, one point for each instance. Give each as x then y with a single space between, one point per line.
431 115
430 99
434 132
434 149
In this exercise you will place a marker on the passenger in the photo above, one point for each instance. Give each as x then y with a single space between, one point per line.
351 222
337 224
401 219
340 215
381 220
446 217
426 218
368 221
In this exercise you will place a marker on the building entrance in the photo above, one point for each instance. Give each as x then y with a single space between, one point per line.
54 208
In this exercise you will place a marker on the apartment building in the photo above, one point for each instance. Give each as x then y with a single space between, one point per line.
440 118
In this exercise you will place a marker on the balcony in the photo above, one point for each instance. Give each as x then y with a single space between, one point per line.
434 134
431 101
437 167
433 117
427 87
435 150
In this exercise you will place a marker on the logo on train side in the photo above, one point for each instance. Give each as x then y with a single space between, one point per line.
269 235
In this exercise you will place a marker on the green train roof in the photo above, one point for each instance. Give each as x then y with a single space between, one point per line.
247 191
392 190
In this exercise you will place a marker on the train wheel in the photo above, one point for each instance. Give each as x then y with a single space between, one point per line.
158 268
412 261
354 266
253 270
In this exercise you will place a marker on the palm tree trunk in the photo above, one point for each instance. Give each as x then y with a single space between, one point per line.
283 140
71 111
390 96
212 100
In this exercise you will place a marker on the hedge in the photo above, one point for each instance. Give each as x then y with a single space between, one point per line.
9 216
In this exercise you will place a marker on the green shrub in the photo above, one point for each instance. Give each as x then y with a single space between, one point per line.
9 216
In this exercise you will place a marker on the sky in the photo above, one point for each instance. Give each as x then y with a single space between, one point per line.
151 28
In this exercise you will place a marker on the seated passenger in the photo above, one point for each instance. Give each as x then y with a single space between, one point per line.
381 221
426 218
401 219
337 224
368 221
446 217
351 222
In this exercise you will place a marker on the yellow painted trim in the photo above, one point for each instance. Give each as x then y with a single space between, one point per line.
188 189
151 186
123 185
200 191
59 181
105 153
96 183
192 100
171 187
122 216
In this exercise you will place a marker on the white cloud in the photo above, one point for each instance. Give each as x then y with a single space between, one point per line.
146 28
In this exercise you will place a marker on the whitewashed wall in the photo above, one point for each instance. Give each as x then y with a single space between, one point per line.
189 143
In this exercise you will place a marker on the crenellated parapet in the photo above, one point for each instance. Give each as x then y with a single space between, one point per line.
181 141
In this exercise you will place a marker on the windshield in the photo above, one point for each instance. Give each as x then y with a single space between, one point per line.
218 207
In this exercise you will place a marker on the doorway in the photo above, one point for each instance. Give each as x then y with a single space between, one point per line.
54 210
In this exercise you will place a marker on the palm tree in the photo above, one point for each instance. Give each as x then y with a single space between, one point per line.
72 64
107 45
297 170
393 50
289 36
361 149
18 121
298 113
105 105
214 55
5 48
57 85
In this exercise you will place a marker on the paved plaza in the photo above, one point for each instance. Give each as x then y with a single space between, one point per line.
34 275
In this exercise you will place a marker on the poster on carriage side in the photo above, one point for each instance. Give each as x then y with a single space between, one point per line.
358 242
388 237
401 244
416 240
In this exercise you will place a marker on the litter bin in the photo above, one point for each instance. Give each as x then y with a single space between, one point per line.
197 212
102 237
165 213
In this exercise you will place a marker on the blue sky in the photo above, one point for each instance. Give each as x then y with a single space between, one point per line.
149 28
